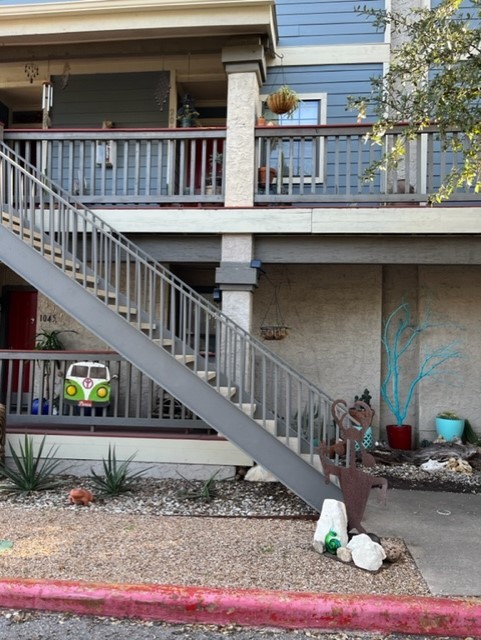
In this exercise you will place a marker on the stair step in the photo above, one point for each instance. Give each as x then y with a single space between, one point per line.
227 392
206 375
101 293
184 357
163 342
247 408
268 425
123 310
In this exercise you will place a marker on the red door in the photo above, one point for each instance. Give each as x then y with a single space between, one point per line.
21 327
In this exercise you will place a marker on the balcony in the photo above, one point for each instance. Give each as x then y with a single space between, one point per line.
305 166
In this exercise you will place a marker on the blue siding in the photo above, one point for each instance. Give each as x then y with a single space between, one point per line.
325 22
338 81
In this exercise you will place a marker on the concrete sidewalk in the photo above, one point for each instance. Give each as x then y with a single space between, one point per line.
442 532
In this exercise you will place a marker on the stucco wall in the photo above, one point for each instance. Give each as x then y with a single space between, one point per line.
334 315
454 295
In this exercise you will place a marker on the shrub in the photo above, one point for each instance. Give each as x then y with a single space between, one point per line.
31 472
117 478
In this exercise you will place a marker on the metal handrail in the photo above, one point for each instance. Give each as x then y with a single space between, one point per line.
156 302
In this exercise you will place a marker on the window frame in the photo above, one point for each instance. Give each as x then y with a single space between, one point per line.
321 98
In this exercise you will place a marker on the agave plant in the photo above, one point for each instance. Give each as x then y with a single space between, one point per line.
31 472
117 478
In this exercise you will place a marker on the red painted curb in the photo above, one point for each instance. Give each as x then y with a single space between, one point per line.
254 608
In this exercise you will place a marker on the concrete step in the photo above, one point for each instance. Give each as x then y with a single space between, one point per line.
184 358
123 310
247 408
206 375
227 392
268 425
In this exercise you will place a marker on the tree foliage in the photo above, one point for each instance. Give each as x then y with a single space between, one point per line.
434 78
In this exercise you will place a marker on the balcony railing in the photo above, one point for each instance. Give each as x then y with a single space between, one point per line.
32 392
113 166
304 165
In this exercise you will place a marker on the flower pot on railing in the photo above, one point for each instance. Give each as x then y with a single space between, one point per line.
262 176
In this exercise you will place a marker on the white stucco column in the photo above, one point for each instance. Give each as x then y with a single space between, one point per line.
245 68
236 279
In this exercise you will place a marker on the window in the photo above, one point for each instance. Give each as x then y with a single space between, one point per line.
301 158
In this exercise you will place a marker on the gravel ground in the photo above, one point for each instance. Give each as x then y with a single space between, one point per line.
152 536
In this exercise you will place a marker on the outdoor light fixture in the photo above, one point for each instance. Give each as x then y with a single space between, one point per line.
217 295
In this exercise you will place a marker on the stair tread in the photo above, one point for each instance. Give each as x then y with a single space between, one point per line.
209 375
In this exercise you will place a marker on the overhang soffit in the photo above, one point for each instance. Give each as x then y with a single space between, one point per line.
113 19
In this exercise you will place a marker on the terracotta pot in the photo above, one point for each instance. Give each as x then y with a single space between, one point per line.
399 436
263 175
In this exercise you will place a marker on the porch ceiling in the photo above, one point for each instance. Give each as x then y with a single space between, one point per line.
106 20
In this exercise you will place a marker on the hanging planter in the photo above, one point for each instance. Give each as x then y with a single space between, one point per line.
274 332
273 326
283 101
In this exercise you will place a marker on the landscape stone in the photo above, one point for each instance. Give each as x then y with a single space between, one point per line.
259 474
366 554
344 554
393 549
333 518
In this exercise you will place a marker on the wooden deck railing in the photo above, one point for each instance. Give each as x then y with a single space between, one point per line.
304 165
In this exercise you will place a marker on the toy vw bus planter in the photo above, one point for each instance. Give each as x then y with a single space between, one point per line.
87 384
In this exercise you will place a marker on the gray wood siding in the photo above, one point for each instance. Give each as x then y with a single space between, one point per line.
325 22
127 99
338 81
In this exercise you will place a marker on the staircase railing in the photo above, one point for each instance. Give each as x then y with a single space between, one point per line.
157 303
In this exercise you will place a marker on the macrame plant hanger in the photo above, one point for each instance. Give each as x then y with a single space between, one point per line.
273 326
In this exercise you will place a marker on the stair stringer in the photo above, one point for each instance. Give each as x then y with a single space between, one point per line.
157 363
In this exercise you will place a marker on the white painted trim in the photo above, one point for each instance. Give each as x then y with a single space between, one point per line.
325 220
387 33
102 19
154 450
332 54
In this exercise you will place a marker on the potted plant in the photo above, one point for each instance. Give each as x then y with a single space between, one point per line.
449 425
283 101
187 114
399 339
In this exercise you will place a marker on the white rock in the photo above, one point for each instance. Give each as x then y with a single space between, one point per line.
344 554
366 554
333 518
259 474
433 465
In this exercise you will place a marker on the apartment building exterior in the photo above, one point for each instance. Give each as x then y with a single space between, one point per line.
91 96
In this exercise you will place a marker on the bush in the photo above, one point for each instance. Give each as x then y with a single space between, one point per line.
32 472
117 478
